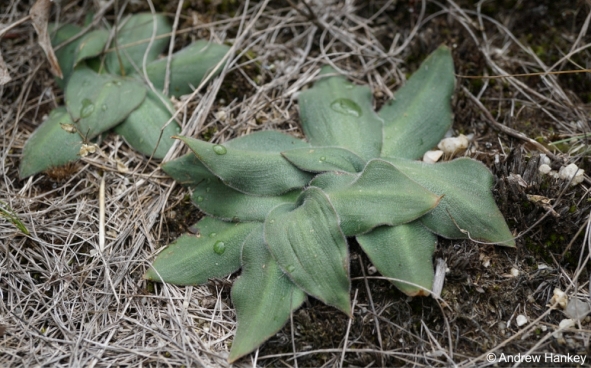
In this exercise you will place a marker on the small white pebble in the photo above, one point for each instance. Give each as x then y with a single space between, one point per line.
544 160
514 272
577 309
521 320
432 157
545 169
221 115
454 144
543 328
543 266
566 323
560 298
572 171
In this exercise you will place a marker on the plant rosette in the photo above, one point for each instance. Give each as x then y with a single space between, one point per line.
107 87
282 209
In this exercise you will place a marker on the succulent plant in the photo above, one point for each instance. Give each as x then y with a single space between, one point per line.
283 209
107 88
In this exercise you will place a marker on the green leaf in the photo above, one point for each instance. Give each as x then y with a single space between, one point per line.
403 252
266 141
133 40
263 297
98 102
251 172
380 195
336 112
66 56
188 67
320 159
420 113
216 199
92 44
467 207
187 170
193 259
50 145
142 128
308 245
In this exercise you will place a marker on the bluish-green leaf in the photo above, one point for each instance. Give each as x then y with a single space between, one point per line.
66 56
217 199
252 172
187 170
467 209
188 67
403 252
380 195
92 44
336 112
142 128
50 145
194 258
98 102
266 141
133 40
320 159
420 113
263 297
307 243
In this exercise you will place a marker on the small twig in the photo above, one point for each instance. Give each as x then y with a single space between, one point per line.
348 329
102 215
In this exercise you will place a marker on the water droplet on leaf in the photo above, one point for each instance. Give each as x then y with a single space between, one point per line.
219 247
87 108
220 150
213 235
322 158
199 199
346 107
104 107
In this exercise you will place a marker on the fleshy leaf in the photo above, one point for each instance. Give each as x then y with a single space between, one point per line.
217 199
336 112
66 56
92 44
187 170
252 172
193 259
263 297
50 145
402 252
307 243
98 102
142 127
133 40
320 159
380 195
266 141
188 67
467 208
420 113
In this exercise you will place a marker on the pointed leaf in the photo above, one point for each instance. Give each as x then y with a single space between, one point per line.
66 56
308 245
420 113
217 199
380 195
403 252
266 141
263 296
259 173
188 67
468 208
98 102
92 44
320 159
133 40
142 128
50 145
187 170
336 112
193 259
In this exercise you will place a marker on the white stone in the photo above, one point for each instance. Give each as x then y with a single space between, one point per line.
545 169
566 323
432 157
514 272
454 144
577 309
521 320
544 160
572 171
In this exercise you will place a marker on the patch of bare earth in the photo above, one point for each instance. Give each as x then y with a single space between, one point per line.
64 304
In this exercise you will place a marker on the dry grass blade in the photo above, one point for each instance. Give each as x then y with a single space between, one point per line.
4 74
40 12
